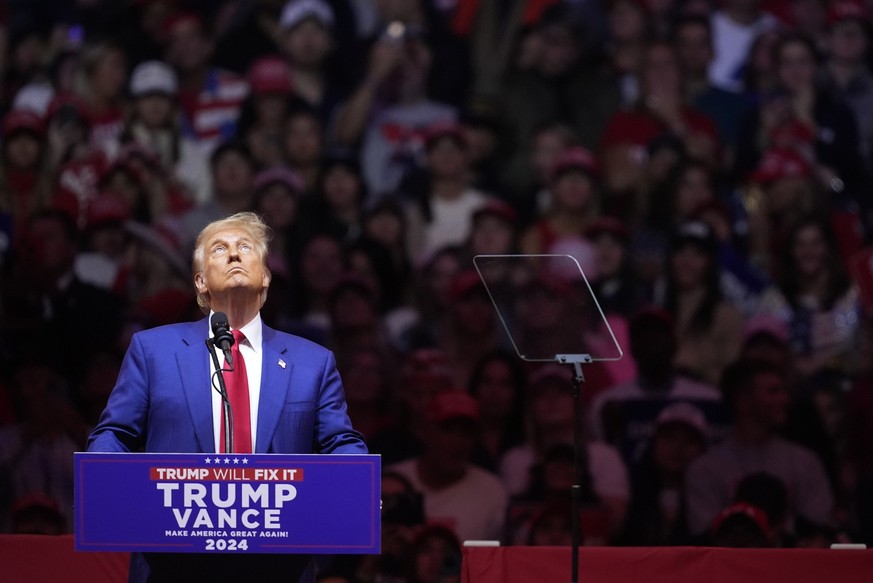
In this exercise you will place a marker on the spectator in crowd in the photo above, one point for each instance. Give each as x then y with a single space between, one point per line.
432 282
630 31
625 415
253 34
424 373
155 125
694 48
660 109
232 170
485 134
470 328
802 117
371 261
498 382
385 223
340 196
303 145
758 396
769 494
709 326
468 500
100 87
318 268
355 324
551 412
782 191
493 229
846 72
815 299
277 198
547 143
306 41
264 113
37 513
440 214
734 28
369 387
436 555
25 183
210 97
104 242
390 109
759 79
552 78
36 455
741 526
48 305
657 512
574 188
616 287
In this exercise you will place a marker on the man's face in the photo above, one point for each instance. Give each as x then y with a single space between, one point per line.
231 264
450 443
188 48
694 48
232 175
307 44
770 399
49 249
848 40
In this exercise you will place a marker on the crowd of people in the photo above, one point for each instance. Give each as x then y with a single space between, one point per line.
707 163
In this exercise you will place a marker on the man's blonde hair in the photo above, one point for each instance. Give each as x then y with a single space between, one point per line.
246 221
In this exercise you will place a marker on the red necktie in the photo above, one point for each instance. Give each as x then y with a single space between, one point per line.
237 383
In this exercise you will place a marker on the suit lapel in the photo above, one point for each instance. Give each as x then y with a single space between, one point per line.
275 383
192 359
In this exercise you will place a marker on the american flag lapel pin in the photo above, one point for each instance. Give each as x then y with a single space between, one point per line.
281 363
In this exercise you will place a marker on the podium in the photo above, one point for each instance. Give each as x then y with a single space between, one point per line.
227 503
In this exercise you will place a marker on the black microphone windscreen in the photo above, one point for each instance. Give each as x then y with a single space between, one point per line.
219 322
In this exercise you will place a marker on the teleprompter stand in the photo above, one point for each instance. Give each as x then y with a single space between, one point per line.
551 314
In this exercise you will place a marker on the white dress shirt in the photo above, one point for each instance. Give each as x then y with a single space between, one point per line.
252 352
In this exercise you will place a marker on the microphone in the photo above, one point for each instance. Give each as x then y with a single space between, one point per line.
222 336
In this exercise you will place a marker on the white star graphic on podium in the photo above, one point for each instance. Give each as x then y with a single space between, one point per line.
235 460
226 460
208 461
218 461
245 460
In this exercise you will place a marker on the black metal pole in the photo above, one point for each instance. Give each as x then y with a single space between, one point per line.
576 489
227 413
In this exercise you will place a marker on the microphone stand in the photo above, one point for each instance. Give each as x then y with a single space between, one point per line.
227 413
576 360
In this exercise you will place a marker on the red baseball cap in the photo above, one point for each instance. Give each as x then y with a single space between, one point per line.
270 75
780 163
445 129
497 208
108 207
848 10
453 404
464 283
576 158
22 120
607 226
279 175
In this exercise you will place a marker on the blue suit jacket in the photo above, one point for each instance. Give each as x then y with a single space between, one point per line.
162 402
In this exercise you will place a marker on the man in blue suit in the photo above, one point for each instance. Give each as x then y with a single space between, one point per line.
163 400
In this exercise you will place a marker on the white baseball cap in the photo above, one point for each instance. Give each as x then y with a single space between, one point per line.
153 77
296 11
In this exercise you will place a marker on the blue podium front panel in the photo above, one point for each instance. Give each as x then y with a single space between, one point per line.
255 503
